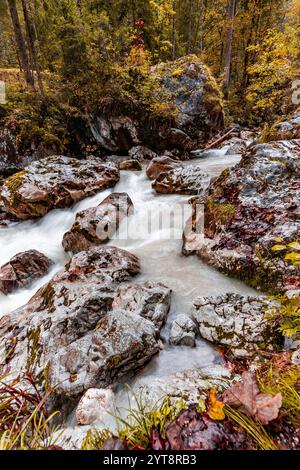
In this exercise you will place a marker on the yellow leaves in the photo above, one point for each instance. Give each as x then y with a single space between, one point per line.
294 246
278 247
215 407
292 257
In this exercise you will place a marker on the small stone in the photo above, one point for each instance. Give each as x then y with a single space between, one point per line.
93 405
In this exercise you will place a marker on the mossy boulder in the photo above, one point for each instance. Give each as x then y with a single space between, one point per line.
184 110
247 210
55 182
238 323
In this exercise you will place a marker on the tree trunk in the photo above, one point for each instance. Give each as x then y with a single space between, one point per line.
31 34
190 25
174 31
20 42
229 37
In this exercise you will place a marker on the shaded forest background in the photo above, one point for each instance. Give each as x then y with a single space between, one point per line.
90 54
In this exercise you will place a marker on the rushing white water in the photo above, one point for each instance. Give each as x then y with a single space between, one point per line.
161 259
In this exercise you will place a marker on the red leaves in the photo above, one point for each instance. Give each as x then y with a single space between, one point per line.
192 431
156 441
246 396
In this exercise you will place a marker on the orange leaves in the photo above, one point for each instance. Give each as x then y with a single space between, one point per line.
215 407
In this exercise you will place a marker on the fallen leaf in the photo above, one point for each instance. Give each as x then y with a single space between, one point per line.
215 407
246 396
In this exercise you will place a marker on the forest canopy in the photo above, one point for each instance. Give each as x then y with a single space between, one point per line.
85 51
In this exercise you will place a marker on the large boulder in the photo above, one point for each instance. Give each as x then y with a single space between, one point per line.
181 180
196 112
238 323
195 94
96 225
22 270
251 208
55 182
71 335
160 165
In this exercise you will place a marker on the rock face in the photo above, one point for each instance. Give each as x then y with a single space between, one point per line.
93 405
70 333
196 96
14 156
55 182
160 165
150 300
198 112
183 331
22 270
236 322
248 209
96 225
181 180
115 133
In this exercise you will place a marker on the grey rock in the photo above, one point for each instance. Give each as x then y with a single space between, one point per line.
246 209
150 300
94 404
141 153
181 180
183 331
190 385
237 322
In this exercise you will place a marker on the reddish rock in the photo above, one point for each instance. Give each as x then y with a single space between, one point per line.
132 165
160 165
96 225
22 270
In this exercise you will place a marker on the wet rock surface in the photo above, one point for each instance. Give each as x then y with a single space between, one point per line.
183 331
160 165
182 180
23 269
130 165
71 330
55 182
150 300
97 225
93 405
189 385
247 209
237 322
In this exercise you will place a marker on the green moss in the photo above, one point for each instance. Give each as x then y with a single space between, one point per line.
34 349
14 182
220 212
